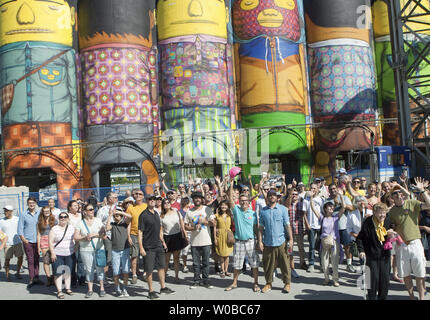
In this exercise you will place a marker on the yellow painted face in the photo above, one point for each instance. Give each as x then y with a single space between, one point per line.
36 20
187 17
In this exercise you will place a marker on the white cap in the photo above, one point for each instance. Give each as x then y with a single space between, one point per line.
8 208
342 170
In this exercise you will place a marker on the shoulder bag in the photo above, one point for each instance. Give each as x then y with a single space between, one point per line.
100 254
230 235
184 237
47 256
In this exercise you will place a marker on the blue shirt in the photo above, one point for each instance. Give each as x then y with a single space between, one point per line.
27 226
274 222
244 222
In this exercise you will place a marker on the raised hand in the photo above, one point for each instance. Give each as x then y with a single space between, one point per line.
420 183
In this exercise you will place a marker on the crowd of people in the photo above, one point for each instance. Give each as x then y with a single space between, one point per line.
386 226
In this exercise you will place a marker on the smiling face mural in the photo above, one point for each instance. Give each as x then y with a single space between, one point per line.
37 61
36 20
186 17
254 18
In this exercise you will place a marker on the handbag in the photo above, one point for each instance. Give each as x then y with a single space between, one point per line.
327 242
100 254
47 256
230 236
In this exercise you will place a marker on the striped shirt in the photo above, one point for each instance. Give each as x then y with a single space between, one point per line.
66 246
296 213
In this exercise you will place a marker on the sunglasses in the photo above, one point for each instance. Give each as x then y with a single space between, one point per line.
356 181
295 194
139 194
152 199
62 217
92 209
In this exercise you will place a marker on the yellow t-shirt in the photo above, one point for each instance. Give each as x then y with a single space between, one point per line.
360 192
135 211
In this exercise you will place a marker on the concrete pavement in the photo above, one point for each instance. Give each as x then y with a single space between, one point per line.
307 287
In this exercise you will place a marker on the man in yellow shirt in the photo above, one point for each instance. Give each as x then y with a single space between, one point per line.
135 210
353 189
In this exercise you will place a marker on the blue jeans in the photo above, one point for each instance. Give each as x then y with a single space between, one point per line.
200 257
312 236
121 260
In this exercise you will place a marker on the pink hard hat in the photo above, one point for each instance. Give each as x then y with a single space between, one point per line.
234 172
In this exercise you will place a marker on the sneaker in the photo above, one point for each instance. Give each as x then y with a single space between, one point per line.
153 296
304 266
207 285
194 285
167 291
350 268
310 269
294 274
247 267
125 293
185 270
336 284
144 278
287 288
89 294
134 280
266 288
119 294
102 293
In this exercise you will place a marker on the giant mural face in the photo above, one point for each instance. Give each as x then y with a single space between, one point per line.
185 17
36 20
253 18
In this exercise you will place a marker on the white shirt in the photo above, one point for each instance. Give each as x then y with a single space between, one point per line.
200 237
94 228
355 220
310 215
56 212
10 228
259 205
103 215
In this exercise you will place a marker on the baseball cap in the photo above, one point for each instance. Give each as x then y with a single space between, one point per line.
271 192
322 178
300 184
151 197
317 180
8 208
342 170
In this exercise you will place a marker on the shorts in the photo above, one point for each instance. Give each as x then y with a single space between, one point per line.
186 250
345 237
16 250
411 259
44 242
120 261
63 264
173 242
154 259
242 249
108 249
134 249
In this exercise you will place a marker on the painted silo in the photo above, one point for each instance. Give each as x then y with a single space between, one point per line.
271 75
342 78
117 43
196 78
39 94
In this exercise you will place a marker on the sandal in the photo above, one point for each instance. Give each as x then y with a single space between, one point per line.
256 288
228 274
229 288
69 292
60 295
222 274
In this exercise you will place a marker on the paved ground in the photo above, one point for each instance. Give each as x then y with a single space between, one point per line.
307 287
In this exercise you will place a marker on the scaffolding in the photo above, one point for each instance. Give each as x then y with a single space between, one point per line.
413 106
